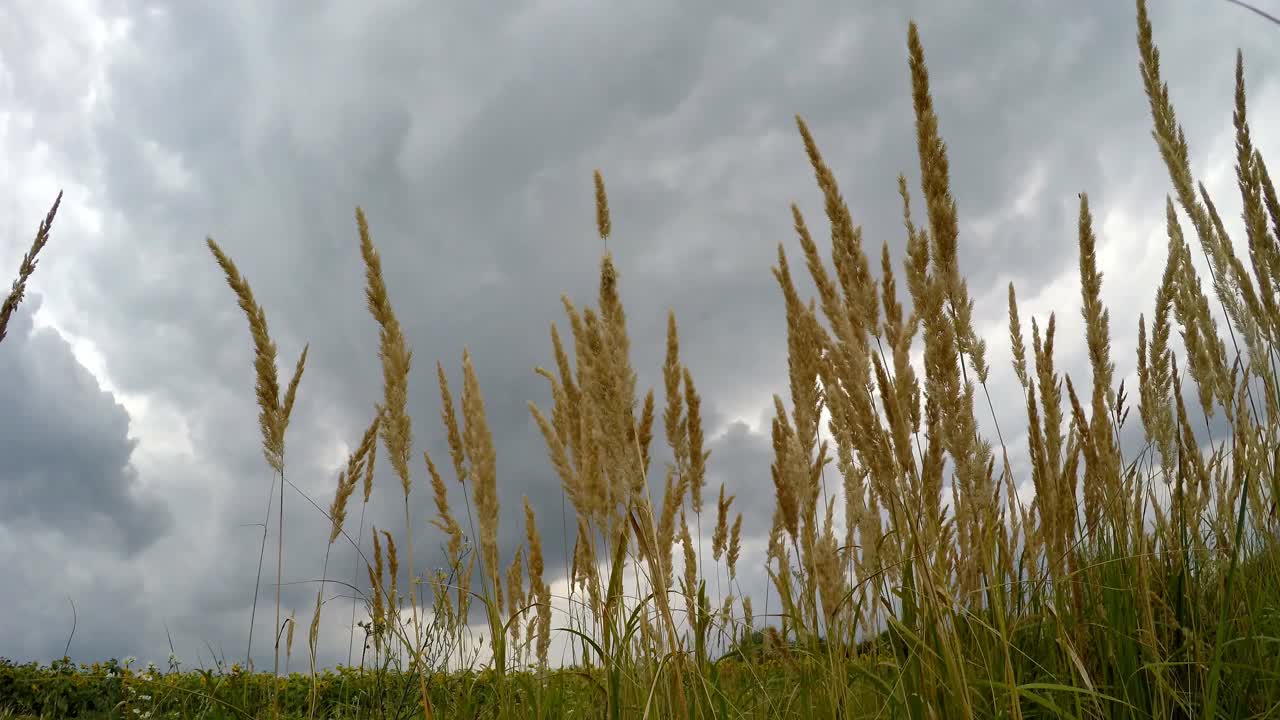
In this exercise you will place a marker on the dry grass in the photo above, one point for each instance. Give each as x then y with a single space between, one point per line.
28 266
1134 584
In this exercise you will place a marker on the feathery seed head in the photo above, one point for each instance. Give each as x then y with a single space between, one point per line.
264 362
393 569
28 266
478 442
444 517
450 419
603 224
735 546
369 449
693 433
375 578
338 509
291 393
397 432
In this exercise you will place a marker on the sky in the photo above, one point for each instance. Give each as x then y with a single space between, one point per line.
131 475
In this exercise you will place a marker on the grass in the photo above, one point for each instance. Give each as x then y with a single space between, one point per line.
29 261
1136 584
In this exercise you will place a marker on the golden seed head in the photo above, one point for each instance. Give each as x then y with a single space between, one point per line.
603 225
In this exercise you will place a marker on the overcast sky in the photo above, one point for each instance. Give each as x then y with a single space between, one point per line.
131 476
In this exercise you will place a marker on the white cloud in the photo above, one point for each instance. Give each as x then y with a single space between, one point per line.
471 147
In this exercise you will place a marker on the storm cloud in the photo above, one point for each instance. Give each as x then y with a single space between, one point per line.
133 478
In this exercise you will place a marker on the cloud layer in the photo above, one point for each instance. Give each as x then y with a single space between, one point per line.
133 479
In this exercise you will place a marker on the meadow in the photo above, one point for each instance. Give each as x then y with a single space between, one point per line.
1134 584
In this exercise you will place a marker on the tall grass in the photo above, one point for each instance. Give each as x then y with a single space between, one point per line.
29 261
1137 583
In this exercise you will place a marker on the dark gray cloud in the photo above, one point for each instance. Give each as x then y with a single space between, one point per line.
45 572
66 448
469 138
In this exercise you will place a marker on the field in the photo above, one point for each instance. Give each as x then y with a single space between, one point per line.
1138 582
